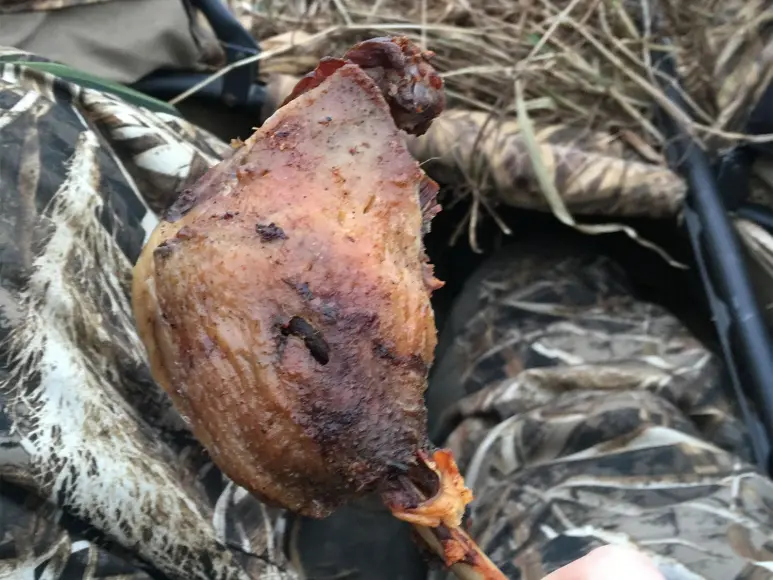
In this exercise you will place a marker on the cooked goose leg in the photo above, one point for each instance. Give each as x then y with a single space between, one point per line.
284 300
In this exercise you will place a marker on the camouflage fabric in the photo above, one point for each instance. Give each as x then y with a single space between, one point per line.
585 417
579 414
593 172
120 40
11 6
99 476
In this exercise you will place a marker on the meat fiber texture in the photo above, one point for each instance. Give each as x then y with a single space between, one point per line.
285 300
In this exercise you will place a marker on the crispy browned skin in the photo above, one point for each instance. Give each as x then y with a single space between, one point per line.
408 83
284 300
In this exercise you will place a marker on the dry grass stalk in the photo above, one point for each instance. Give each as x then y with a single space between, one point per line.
555 200
584 59
583 64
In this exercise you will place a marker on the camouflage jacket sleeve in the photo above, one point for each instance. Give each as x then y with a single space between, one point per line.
100 476
583 416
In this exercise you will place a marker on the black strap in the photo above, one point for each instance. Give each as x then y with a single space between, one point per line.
744 338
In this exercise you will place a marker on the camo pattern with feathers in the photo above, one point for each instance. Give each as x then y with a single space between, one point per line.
99 476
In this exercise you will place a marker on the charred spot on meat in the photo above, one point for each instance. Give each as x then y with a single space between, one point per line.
311 337
270 232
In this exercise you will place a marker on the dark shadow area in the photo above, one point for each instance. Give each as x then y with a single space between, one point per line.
653 279
361 541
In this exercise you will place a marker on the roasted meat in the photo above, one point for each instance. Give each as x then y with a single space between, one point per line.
284 300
